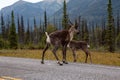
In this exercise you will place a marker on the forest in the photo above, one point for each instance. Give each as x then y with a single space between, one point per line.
104 36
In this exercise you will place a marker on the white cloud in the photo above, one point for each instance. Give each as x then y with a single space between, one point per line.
4 3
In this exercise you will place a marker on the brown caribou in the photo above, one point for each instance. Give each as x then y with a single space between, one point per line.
75 45
57 39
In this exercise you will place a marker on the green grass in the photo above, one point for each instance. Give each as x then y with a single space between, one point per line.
104 58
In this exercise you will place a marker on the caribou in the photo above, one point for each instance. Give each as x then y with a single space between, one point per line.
57 39
75 45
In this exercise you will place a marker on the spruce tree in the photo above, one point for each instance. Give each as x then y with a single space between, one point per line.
45 20
13 35
65 16
93 34
103 32
79 27
3 27
27 38
35 32
7 31
118 23
86 33
110 29
82 30
118 30
22 31
19 29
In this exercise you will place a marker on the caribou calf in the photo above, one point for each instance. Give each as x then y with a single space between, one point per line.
75 45
57 39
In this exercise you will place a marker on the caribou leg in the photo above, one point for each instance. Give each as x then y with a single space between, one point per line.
74 55
47 46
54 52
87 53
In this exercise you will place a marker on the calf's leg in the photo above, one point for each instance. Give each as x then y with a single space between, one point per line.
74 55
87 52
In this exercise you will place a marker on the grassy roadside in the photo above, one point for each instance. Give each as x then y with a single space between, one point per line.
104 58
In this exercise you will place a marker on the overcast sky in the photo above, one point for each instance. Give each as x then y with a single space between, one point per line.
4 3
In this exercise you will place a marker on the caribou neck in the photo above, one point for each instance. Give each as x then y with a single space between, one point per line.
71 35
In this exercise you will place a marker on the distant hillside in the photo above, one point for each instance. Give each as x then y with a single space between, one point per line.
93 10
32 10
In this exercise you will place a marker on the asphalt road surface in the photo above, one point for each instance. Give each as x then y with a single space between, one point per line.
31 69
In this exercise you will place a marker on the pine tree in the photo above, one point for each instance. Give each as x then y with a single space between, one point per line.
40 31
3 27
13 35
93 34
103 33
7 28
19 29
86 33
35 32
27 38
54 21
65 16
118 23
45 20
79 28
110 29
118 30
82 30
22 31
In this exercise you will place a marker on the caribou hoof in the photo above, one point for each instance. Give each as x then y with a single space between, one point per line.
42 62
60 63
65 62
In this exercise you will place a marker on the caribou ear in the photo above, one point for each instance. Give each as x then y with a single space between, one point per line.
70 22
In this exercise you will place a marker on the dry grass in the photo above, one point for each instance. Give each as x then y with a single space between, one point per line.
104 58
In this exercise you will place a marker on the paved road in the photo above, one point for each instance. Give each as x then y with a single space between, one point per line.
31 69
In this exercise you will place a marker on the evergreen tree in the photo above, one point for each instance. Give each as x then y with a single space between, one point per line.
54 21
110 29
3 27
13 35
118 41
93 34
22 31
118 23
86 32
103 41
19 29
7 28
82 30
65 16
79 28
45 20
27 38
118 30
98 35
40 31
35 32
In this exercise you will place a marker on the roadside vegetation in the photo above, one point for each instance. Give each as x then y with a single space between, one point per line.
102 58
